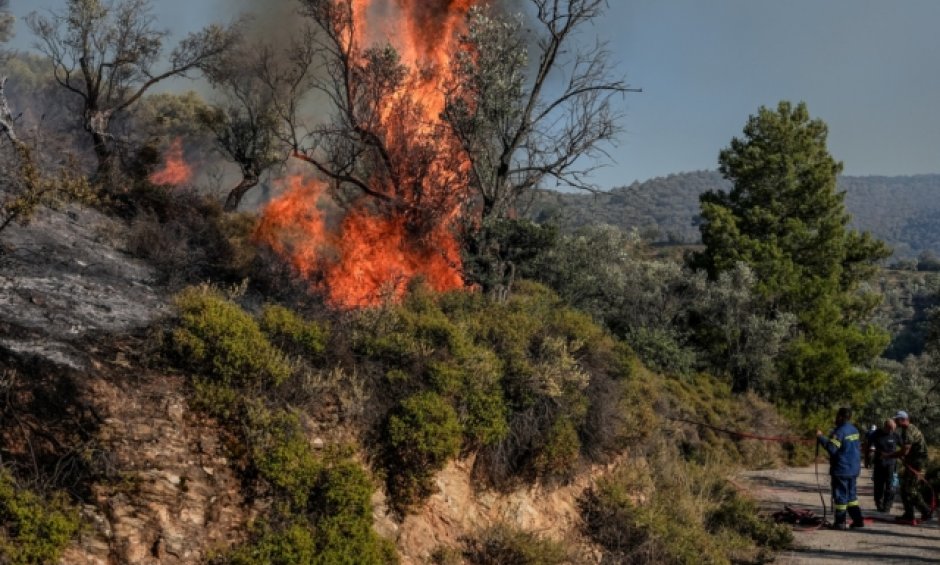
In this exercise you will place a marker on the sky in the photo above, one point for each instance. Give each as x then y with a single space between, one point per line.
869 68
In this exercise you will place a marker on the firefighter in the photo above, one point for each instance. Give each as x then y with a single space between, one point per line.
912 453
845 463
869 446
883 441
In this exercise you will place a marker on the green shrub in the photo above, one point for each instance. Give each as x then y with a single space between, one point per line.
217 337
562 450
286 325
740 515
662 350
33 530
653 533
343 507
503 545
216 399
670 510
280 452
336 530
293 544
423 434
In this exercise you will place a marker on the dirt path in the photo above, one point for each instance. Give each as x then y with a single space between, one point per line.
881 542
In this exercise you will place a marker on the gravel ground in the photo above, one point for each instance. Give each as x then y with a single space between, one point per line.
883 541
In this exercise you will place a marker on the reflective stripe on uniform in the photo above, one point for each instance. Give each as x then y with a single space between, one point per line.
853 503
835 442
841 507
851 437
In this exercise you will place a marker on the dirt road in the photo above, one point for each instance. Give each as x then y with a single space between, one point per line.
883 541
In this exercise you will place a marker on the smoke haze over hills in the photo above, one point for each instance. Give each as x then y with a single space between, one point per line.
904 211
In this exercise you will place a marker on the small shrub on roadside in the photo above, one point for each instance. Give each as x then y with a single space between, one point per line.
343 518
740 515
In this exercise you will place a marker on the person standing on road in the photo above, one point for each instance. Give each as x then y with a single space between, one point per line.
869 446
912 453
845 463
883 441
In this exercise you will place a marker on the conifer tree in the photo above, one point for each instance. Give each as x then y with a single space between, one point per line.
785 218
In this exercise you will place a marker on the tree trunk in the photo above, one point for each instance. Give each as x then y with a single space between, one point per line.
104 154
235 196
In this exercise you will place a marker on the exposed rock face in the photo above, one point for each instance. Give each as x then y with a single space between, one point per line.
69 298
462 508
175 496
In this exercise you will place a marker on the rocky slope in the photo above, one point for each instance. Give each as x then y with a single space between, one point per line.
72 304
158 488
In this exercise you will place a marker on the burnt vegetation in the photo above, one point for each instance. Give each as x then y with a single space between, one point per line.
540 352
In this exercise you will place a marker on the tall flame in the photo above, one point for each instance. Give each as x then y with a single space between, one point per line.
175 171
366 259
372 253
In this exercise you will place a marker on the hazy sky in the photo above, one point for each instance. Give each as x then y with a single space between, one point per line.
869 68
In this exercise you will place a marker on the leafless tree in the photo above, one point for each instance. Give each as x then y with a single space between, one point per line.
109 54
252 82
517 127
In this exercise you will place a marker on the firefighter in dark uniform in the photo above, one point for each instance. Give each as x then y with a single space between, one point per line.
882 442
845 463
913 456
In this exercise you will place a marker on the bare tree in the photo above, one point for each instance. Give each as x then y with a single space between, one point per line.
108 54
252 82
516 129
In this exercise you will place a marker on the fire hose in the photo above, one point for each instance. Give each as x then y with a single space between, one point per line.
789 439
817 523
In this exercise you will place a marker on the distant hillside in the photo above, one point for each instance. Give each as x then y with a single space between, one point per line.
903 211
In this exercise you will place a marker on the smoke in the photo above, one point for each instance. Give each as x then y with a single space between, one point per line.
278 21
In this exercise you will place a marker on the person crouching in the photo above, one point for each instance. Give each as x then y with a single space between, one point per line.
843 444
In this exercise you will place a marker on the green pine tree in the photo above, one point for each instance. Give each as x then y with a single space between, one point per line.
785 218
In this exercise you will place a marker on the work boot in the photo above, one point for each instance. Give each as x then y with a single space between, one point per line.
840 526
857 520
926 516
906 517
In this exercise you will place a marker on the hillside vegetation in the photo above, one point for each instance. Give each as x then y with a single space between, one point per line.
386 363
902 211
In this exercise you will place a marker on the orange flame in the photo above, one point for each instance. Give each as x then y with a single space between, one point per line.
376 249
175 170
366 259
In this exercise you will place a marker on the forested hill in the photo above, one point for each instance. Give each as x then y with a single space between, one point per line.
903 211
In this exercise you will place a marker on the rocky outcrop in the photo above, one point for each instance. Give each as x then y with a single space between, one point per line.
70 301
174 497
462 507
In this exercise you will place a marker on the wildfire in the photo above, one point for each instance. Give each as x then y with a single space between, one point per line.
373 252
175 170
366 259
